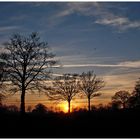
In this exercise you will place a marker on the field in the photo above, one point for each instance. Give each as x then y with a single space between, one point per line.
81 124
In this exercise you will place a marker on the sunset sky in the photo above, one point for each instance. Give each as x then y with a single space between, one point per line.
104 37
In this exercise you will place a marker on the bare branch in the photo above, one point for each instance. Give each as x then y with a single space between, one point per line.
90 85
64 88
26 58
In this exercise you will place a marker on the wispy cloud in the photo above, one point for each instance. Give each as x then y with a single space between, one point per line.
8 28
84 8
126 64
99 12
132 64
105 17
123 23
120 82
63 13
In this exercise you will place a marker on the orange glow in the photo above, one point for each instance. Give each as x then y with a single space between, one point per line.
65 108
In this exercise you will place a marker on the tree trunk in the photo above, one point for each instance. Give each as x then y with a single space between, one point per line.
22 105
68 106
89 104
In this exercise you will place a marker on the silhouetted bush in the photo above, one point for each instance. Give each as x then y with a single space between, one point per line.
12 108
40 108
3 108
115 105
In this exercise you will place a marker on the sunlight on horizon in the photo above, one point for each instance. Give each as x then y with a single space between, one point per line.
65 108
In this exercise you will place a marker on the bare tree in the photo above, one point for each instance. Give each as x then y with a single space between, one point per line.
121 97
2 96
1 72
134 100
27 60
64 88
90 85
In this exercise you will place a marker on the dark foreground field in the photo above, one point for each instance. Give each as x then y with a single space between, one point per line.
101 124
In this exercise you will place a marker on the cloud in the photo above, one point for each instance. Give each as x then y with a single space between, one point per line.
114 83
8 28
85 8
113 21
66 9
100 12
118 82
105 17
125 64
122 23
63 13
132 64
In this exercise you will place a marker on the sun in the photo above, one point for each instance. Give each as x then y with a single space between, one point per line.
65 108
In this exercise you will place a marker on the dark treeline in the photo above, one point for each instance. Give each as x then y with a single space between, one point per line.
99 122
25 64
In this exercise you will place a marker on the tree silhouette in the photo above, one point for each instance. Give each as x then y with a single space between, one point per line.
2 75
121 97
1 72
27 61
64 88
40 108
115 105
90 85
134 101
12 108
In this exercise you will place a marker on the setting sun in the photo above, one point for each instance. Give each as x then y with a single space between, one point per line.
65 108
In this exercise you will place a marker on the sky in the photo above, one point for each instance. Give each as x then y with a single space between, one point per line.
99 36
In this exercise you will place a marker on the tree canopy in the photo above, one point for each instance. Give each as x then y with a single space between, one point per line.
27 60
